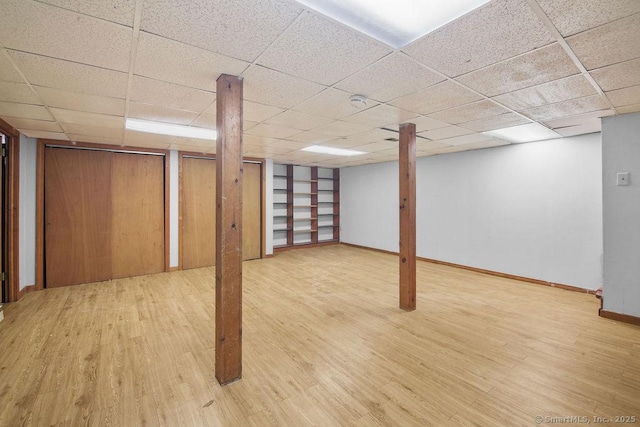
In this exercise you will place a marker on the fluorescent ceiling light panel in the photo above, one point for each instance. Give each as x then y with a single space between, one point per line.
394 22
332 150
170 129
524 133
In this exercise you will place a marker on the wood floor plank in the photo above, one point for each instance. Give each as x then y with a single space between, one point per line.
325 344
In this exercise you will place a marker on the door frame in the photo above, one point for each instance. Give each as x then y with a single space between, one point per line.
40 224
263 211
10 237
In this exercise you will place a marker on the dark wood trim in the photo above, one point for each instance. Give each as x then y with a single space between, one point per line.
103 146
229 177
289 205
174 269
180 211
407 216
483 271
625 318
26 290
269 255
263 208
13 220
8 130
167 211
40 217
304 246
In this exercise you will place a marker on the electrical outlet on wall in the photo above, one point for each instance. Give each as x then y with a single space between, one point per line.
623 178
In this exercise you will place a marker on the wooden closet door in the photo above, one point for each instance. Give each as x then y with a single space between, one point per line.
251 211
198 212
77 223
137 214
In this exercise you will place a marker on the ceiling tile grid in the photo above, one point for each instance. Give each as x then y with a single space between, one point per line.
499 30
30 26
300 69
321 50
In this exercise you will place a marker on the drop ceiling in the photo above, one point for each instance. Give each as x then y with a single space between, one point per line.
76 69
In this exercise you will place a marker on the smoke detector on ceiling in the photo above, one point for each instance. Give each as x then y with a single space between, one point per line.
358 101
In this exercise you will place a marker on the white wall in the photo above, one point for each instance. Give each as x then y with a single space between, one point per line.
27 213
621 153
531 210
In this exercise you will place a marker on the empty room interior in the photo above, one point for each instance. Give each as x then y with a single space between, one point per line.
288 213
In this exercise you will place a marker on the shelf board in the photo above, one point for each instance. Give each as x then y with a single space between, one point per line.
328 226
305 231
304 194
325 178
328 214
279 203
305 180
282 216
282 229
304 219
319 201
304 206
279 176
279 189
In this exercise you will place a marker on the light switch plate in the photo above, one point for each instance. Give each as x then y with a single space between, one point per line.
623 178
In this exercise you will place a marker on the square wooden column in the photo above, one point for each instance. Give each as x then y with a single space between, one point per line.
229 229
408 216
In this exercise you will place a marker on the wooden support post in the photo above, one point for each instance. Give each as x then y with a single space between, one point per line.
408 216
229 229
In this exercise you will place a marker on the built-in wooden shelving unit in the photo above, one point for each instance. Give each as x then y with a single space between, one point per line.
306 206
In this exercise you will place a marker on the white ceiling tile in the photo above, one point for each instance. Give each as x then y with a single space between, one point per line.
382 116
50 72
311 137
92 139
120 11
260 150
500 30
618 76
150 91
60 33
297 120
540 66
148 140
258 140
252 111
465 139
47 126
424 146
445 132
321 50
175 62
547 93
80 101
362 138
240 29
44 134
567 108
190 148
578 119
331 103
272 131
626 96
90 119
496 122
609 44
629 109
373 147
24 111
340 128
426 123
206 144
435 98
290 145
161 114
18 92
574 16
473 111
490 143
591 127
392 77
208 121
7 72
271 87
98 131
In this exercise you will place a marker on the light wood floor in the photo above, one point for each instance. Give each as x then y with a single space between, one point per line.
324 344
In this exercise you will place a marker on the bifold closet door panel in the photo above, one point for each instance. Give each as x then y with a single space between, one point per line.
251 211
77 223
137 214
198 212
